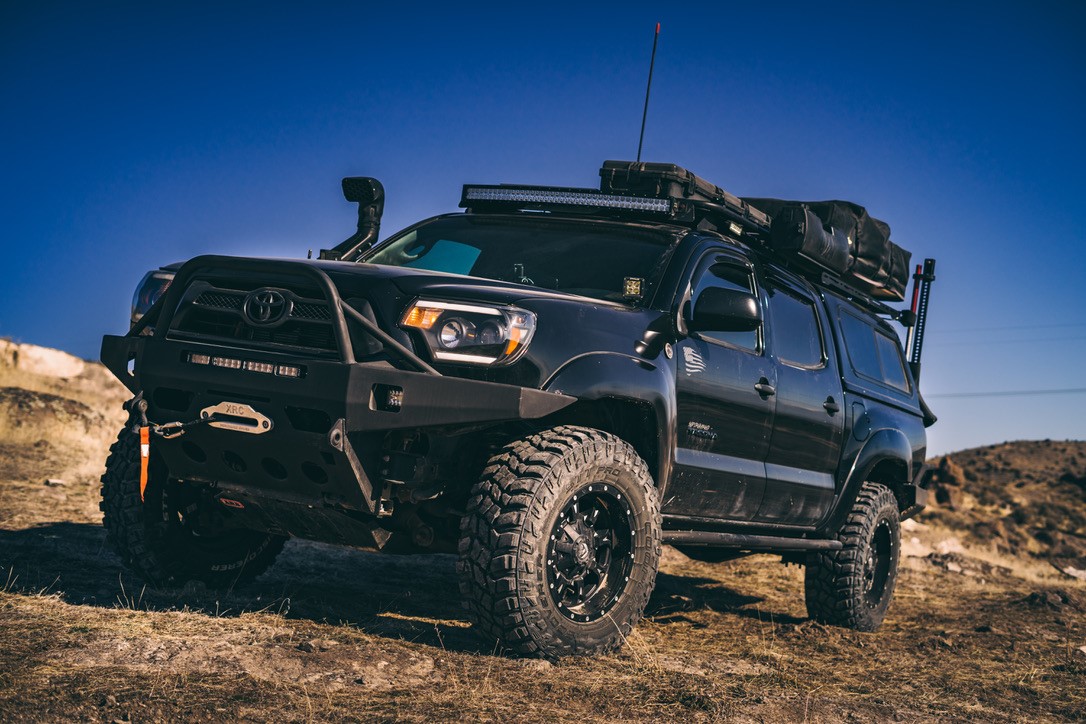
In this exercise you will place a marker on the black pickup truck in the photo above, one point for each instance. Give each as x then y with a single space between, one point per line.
551 384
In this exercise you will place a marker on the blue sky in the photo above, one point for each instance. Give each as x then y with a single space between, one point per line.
135 134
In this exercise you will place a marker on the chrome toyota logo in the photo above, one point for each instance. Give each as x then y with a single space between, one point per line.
265 306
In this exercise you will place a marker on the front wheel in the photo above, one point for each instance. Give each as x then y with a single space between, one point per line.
157 534
853 586
560 544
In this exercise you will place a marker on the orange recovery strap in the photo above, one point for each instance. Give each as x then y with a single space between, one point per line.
145 456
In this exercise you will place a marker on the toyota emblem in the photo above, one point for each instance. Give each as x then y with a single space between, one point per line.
265 306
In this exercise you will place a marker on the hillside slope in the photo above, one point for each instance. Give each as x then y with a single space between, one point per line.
983 626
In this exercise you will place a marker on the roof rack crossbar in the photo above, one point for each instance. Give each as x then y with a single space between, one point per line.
857 296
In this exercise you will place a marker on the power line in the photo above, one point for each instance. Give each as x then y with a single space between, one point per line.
1005 326
1012 393
971 343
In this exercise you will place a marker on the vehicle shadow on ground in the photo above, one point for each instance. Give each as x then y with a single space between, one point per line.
674 596
405 598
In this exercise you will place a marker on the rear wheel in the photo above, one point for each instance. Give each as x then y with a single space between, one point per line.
159 537
560 544
853 586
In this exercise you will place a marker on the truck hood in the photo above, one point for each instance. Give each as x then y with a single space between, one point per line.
569 326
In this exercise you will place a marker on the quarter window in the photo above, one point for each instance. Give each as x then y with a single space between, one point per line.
893 368
874 354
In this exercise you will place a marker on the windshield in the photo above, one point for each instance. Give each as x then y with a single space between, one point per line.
602 261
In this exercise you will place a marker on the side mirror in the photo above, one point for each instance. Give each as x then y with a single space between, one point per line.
725 310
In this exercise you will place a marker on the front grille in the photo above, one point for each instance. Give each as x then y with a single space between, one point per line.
214 314
220 300
306 310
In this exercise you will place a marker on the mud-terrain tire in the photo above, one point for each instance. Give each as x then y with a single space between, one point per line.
560 544
152 538
852 587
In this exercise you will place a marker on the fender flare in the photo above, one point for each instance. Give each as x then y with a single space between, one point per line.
885 444
610 375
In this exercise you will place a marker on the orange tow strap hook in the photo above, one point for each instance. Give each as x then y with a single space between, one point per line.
145 457
231 503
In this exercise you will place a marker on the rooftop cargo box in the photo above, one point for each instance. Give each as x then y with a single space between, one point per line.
666 180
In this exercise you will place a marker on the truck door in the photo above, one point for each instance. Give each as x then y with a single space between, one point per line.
805 446
724 406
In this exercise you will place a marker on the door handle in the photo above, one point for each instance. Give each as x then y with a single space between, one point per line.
764 388
831 406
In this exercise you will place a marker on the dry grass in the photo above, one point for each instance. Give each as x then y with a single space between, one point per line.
721 642
337 634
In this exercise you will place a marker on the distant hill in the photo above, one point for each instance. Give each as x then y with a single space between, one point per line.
1020 498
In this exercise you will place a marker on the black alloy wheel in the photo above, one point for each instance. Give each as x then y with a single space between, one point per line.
590 554
877 564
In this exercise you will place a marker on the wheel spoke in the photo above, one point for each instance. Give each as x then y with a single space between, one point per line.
587 572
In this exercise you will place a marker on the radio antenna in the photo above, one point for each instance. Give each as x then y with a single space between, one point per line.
645 113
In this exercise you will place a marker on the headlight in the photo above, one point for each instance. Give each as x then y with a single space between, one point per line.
471 333
151 287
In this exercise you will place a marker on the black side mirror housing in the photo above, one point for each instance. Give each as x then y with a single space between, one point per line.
725 310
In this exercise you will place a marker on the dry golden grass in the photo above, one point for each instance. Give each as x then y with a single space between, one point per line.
334 634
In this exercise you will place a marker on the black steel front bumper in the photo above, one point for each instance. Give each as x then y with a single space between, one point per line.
322 444
308 454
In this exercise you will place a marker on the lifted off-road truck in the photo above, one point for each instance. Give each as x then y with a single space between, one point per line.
551 384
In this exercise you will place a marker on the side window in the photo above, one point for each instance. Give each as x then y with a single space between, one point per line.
794 331
728 275
873 354
893 366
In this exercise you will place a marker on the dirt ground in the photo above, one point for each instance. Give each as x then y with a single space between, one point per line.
988 623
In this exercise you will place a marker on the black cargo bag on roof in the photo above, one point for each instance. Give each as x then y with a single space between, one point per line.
797 232
874 264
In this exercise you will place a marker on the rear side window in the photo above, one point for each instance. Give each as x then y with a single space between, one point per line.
873 354
794 329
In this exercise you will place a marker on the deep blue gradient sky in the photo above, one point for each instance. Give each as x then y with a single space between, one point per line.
134 134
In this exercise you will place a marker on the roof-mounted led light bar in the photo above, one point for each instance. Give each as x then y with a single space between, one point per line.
540 197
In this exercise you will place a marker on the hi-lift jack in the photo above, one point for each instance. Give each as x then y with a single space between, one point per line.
922 281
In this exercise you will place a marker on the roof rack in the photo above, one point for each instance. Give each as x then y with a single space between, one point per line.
830 281
834 244
731 215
